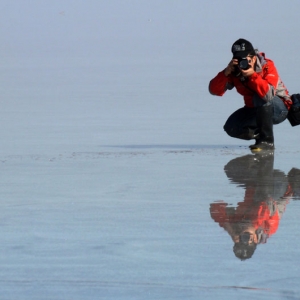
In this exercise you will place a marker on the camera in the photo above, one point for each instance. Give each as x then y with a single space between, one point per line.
243 63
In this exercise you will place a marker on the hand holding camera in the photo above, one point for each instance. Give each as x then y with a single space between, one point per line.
240 66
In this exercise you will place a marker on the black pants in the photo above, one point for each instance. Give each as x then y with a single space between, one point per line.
244 119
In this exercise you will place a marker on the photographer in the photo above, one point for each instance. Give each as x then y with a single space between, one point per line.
266 98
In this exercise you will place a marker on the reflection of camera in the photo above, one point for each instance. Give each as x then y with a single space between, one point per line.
243 63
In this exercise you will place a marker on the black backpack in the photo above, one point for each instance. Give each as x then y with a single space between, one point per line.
294 112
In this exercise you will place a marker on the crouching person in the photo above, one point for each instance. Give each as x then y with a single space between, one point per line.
266 98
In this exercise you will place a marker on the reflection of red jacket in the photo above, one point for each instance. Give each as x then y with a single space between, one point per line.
258 213
265 82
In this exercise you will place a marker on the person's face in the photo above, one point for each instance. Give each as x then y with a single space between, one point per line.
251 60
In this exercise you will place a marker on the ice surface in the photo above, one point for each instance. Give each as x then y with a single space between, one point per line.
113 151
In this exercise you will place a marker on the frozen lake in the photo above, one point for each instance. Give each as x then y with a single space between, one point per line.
117 179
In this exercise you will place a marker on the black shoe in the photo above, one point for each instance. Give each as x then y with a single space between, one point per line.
262 145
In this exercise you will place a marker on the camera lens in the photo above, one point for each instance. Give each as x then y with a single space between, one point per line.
244 64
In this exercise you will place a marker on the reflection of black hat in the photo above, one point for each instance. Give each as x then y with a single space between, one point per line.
244 251
241 48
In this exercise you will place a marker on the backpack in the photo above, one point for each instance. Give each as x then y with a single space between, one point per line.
294 112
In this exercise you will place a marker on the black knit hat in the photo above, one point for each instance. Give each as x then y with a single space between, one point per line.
241 48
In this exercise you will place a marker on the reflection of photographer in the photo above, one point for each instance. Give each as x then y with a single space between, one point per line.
257 217
266 98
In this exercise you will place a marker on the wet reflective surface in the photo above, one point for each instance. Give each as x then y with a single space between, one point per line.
174 222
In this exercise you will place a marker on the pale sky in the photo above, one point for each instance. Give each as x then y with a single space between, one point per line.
54 26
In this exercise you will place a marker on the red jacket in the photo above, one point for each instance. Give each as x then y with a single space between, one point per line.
259 216
265 82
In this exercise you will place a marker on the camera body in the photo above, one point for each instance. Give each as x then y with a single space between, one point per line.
243 63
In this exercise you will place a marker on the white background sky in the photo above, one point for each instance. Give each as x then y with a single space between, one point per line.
204 27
